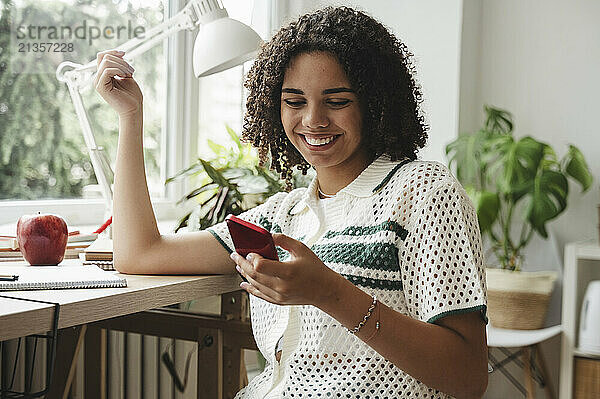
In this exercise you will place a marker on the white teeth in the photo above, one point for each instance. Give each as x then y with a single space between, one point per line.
319 141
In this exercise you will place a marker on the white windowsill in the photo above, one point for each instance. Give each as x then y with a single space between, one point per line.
164 227
81 211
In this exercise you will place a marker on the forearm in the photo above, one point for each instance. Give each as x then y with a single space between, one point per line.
134 223
437 356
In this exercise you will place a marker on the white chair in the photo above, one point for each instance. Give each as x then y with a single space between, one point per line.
528 356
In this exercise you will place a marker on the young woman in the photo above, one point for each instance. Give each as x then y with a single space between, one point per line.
380 290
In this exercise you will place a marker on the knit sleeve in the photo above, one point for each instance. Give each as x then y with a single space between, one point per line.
262 215
441 259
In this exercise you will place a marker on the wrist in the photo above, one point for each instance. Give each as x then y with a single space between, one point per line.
134 115
332 293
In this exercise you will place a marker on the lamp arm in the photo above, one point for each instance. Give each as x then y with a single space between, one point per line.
102 170
187 18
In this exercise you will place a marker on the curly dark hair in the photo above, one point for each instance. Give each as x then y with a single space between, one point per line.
377 65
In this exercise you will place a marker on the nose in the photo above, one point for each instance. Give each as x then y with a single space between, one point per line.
315 117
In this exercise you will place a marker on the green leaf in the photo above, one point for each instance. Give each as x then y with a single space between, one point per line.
209 201
195 192
214 174
275 184
517 164
498 121
253 185
577 168
222 197
235 173
182 222
547 200
234 137
465 153
218 149
190 170
487 205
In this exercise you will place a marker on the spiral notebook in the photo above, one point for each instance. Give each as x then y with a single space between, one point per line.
68 275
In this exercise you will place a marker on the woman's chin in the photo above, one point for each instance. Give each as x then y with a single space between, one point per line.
321 160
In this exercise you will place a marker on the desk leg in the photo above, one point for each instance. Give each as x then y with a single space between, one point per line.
67 348
210 364
548 387
234 306
528 374
234 370
95 363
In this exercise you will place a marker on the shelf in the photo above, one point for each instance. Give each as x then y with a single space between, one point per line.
578 352
584 255
588 250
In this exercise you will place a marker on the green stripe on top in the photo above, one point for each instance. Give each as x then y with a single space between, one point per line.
267 225
377 255
368 230
389 175
220 240
481 308
392 285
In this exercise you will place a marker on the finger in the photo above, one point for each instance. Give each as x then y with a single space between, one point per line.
119 61
264 282
248 270
109 63
105 79
264 289
101 54
110 73
256 292
269 267
288 243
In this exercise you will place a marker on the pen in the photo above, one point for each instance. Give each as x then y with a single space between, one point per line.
8 277
104 226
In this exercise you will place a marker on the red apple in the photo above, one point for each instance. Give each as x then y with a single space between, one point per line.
42 238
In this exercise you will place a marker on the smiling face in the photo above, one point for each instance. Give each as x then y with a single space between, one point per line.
321 114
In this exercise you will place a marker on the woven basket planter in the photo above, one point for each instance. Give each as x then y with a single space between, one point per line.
518 300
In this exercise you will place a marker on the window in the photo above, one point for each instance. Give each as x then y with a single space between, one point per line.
42 151
44 163
221 96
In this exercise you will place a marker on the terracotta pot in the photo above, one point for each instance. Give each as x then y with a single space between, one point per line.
518 300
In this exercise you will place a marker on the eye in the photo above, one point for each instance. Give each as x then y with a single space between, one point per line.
294 103
338 103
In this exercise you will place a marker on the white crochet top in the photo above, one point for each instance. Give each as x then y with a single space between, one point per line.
403 231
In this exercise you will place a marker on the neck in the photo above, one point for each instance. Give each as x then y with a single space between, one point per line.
333 178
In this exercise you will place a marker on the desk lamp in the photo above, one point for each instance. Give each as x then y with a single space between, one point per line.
221 43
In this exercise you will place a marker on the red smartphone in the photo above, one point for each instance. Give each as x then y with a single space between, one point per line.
248 237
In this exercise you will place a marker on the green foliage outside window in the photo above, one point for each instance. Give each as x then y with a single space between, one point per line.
42 152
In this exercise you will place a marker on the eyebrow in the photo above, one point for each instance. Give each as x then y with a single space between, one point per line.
326 91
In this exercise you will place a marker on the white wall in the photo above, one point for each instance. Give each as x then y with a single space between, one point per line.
432 31
539 60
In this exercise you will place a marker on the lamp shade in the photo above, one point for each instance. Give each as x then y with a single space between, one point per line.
223 43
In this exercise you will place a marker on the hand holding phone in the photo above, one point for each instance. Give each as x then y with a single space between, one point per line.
248 237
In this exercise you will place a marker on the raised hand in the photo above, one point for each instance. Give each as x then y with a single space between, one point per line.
114 82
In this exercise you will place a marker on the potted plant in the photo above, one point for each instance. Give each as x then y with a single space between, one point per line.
517 186
230 182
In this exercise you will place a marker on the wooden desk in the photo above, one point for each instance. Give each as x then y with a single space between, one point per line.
83 306
20 318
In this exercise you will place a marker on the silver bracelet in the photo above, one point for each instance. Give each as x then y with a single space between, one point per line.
365 318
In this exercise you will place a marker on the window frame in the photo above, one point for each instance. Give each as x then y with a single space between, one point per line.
178 147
